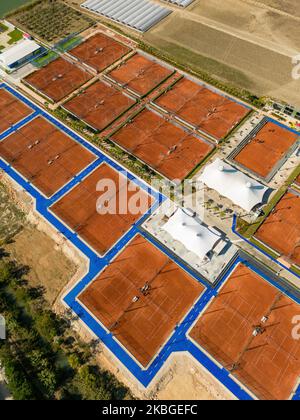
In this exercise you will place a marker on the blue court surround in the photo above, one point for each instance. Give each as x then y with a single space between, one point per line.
179 341
262 251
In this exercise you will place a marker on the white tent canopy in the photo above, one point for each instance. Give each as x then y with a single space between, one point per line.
242 190
191 233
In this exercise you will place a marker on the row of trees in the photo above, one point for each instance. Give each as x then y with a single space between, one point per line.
41 358
51 19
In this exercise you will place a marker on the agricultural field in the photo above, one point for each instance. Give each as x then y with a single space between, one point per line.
238 42
50 20
49 267
288 6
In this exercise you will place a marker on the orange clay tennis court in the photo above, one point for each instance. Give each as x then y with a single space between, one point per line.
140 75
80 209
99 52
268 364
44 155
266 149
202 108
57 79
142 320
11 110
281 230
99 105
169 149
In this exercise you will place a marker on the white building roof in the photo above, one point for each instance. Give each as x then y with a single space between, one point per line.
137 14
242 190
18 51
191 233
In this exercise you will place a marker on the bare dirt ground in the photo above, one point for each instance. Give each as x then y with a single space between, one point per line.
292 7
239 41
181 378
25 240
187 380
49 267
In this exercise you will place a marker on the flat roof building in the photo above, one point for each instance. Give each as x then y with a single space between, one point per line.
19 54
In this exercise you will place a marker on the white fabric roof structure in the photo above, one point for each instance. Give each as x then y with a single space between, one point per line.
18 52
242 190
137 14
191 233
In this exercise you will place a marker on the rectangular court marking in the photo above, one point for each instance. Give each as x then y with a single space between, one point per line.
281 230
58 79
141 321
140 74
268 364
169 149
99 105
12 110
99 52
78 209
202 108
266 149
44 155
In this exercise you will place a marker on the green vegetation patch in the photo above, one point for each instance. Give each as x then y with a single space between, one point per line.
45 59
3 28
15 36
69 44
50 20
11 218
41 358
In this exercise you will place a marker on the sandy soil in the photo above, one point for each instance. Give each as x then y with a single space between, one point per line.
291 7
49 267
238 41
189 381
253 22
